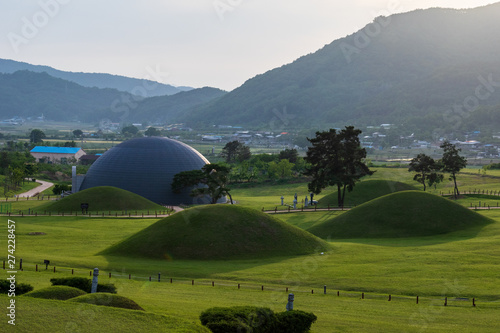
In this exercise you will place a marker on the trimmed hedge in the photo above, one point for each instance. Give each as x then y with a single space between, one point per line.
83 284
21 288
256 320
295 321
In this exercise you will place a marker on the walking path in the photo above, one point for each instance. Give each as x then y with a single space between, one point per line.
39 189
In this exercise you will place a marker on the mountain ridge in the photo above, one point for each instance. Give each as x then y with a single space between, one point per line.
328 89
99 80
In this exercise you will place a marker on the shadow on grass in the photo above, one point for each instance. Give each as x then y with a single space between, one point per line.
455 236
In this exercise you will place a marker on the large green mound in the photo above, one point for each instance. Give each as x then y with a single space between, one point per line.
402 214
219 232
102 198
56 292
365 191
106 299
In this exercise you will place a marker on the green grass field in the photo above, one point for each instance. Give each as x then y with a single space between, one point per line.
460 265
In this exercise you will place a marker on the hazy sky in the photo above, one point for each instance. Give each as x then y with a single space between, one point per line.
218 43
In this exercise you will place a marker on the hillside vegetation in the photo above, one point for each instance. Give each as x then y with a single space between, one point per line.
415 67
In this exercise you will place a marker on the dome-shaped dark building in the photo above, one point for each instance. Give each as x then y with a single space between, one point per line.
146 166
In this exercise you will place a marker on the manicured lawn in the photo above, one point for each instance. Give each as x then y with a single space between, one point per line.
460 265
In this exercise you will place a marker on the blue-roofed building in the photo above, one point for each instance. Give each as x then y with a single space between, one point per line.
57 154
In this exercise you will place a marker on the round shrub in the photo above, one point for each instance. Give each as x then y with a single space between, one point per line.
295 321
56 292
256 320
239 319
107 299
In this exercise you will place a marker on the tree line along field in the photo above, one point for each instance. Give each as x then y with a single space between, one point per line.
460 265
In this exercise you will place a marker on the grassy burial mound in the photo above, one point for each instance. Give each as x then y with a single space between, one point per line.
219 232
56 292
102 198
366 191
402 214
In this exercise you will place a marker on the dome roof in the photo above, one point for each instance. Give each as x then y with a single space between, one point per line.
146 166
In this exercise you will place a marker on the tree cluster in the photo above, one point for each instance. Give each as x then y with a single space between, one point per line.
336 159
212 180
430 172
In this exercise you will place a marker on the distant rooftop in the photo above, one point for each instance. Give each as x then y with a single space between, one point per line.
55 150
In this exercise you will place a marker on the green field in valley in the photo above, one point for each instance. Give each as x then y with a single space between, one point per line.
460 265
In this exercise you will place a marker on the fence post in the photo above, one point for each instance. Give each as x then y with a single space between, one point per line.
362 295
324 290
417 299
72 271
36 268
238 286
445 301
192 282
129 277
159 275
110 275
213 284
54 269
21 264
474 302
390 298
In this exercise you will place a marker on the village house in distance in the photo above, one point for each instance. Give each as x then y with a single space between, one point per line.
61 155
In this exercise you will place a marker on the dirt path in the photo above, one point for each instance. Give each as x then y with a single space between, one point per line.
39 189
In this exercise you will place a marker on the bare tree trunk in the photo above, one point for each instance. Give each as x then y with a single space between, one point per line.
457 193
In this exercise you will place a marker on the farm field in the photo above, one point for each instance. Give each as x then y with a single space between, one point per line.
460 265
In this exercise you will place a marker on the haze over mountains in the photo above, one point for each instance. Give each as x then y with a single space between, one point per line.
423 70
100 80
28 94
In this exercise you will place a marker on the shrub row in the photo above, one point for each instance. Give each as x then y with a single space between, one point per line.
21 288
256 320
83 284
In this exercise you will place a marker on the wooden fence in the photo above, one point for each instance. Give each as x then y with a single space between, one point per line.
321 290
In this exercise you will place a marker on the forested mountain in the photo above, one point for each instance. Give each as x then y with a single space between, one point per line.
144 88
170 108
29 94
407 69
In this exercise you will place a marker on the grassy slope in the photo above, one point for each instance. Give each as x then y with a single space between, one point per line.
39 315
103 198
402 214
219 232
106 299
365 191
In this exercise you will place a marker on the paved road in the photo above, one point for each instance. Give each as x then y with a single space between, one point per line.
39 189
